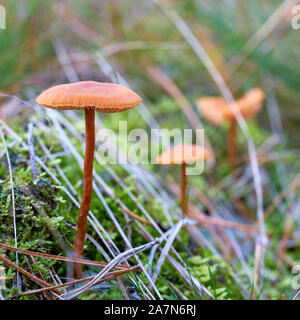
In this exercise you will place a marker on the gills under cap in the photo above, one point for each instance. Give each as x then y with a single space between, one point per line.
100 96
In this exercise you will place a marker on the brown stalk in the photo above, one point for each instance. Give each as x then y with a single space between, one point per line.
220 222
232 143
87 189
183 188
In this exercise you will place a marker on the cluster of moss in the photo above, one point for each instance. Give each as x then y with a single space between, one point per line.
37 207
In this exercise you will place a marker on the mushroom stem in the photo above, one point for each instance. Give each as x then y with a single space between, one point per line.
87 189
232 143
183 187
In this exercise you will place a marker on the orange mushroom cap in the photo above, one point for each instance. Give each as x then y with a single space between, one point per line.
100 96
183 153
249 105
213 109
216 110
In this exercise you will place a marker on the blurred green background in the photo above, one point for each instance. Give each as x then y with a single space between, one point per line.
134 33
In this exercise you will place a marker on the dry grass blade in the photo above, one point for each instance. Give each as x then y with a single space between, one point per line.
117 260
166 249
110 276
221 223
180 265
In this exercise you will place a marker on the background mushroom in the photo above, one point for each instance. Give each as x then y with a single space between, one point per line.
217 111
89 96
183 154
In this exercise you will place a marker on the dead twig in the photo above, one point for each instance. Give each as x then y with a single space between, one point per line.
54 257
28 274
135 216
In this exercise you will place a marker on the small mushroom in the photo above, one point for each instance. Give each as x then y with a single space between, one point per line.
89 96
183 154
217 111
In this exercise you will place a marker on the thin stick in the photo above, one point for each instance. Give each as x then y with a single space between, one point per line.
232 143
120 282
87 189
59 258
28 274
135 216
183 188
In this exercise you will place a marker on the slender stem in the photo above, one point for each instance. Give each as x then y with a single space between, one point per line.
183 187
232 143
87 189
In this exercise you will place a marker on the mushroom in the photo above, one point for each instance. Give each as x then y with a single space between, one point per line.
217 111
183 154
89 96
